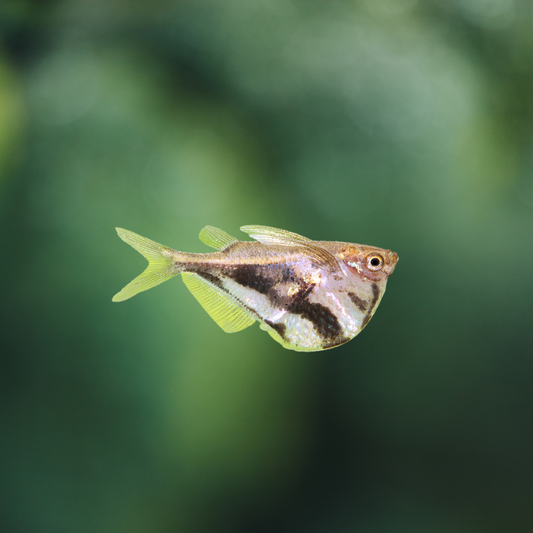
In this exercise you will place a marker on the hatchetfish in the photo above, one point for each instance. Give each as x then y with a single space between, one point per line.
308 295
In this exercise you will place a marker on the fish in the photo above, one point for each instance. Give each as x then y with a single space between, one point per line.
308 295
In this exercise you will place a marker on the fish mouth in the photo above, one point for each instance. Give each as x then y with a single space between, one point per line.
393 260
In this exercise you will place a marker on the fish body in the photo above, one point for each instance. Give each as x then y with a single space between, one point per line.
308 295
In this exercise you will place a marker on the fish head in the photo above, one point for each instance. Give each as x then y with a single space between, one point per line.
368 262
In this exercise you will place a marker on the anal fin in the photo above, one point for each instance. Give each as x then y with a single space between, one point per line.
220 307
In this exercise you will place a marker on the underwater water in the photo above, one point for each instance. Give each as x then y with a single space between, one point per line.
406 125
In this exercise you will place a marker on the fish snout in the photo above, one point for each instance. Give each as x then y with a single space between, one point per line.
392 259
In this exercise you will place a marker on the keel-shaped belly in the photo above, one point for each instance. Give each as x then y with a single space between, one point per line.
322 320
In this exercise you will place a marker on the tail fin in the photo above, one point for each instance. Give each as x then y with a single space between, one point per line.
159 268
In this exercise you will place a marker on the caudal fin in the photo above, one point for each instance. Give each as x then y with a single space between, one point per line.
160 267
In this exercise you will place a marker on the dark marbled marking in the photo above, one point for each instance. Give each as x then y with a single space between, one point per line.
375 298
218 283
336 342
279 328
209 277
287 275
300 297
322 318
359 302
253 277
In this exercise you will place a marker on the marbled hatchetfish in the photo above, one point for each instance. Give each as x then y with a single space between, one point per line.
309 295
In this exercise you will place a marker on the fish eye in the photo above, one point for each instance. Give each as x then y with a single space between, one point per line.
374 262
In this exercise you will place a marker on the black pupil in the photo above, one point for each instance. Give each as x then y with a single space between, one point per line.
375 262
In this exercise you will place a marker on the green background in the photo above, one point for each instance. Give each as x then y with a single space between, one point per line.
403 124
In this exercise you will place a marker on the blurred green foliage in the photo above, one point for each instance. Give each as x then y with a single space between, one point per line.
399 123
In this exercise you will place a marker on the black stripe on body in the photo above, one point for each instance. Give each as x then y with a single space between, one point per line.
375 292
216 282
210 278
279 328
359 302
265 281
249 276
254 277
324 321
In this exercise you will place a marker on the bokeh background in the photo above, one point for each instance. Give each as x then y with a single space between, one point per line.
399 123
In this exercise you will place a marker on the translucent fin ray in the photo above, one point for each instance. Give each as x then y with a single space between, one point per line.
280 237
220 307
160 267
268 235
216 238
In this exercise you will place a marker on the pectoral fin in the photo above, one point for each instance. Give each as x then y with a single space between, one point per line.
220 307
268 235
280 237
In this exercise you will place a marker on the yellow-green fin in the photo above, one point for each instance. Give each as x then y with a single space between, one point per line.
221 308
160 267
268 235
216 238
281 237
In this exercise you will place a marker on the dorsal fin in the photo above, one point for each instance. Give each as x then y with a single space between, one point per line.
221 308
268 235
280 237
216 238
